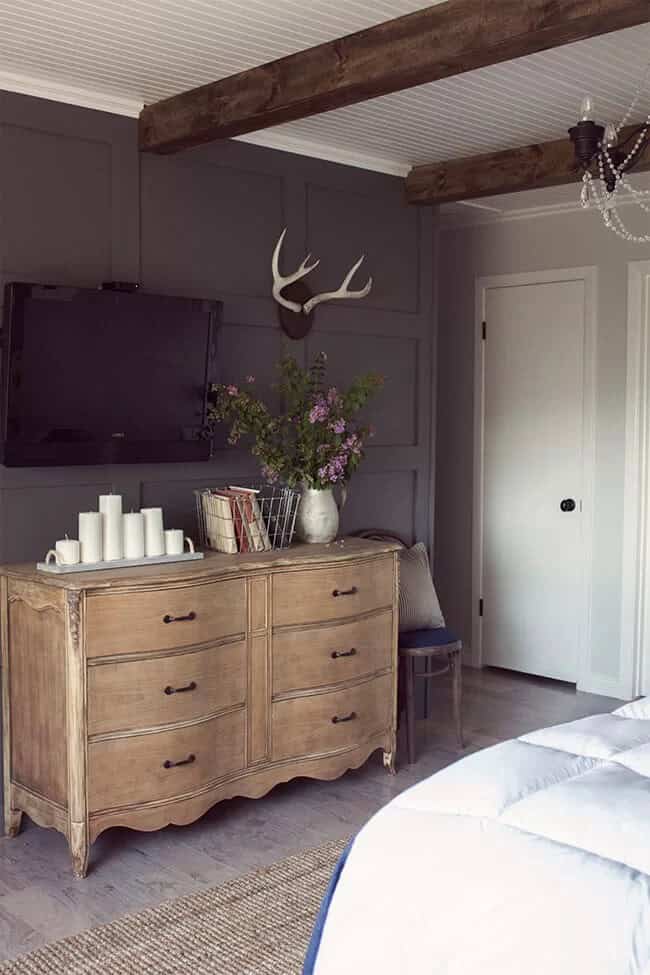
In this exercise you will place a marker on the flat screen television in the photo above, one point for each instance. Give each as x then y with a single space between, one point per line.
104 376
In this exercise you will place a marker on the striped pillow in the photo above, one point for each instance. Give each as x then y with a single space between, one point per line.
419 608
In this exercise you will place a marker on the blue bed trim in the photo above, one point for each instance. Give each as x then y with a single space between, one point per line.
317 933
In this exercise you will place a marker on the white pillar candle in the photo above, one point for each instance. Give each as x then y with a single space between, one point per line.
154 540
133 535
68 551
174 541
90 536
110 506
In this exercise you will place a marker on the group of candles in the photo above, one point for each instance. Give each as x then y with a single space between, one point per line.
109 534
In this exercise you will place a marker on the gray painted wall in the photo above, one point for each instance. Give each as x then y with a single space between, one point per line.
78 205
549 241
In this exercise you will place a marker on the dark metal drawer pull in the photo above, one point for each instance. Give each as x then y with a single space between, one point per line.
346 592
349 717
343 653
185 761
180 690
179 619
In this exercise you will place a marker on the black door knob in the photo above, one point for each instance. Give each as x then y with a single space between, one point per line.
568 505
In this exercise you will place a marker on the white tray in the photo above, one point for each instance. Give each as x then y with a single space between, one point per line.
116 563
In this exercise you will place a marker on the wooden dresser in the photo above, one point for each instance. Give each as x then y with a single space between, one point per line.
142 697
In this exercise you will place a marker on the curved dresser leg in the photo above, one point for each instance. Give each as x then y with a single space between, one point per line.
79 849
389 761
13 821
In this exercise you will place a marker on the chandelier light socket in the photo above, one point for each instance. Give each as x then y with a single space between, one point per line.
606 154
586 137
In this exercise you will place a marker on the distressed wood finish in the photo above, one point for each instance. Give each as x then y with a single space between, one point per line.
109 722
253 784
424 46
333 721
36 680
165 764
42 811
129 694
317 655
215 565
12 813
330 594
524 168
135 621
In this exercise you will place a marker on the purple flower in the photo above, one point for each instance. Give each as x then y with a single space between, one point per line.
319 411
338 426
332 395
334 470
232 390
352 444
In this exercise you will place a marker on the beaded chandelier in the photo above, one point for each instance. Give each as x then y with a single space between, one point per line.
607 154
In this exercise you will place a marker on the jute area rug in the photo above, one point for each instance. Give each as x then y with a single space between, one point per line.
259 924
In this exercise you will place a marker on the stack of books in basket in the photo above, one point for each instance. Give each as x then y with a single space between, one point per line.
233 520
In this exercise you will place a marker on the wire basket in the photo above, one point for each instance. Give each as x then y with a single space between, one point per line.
251 519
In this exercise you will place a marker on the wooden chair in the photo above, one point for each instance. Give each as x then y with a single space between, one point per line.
437 646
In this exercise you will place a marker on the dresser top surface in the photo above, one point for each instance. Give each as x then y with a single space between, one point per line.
214 565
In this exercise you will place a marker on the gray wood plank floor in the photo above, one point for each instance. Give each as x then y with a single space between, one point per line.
40 900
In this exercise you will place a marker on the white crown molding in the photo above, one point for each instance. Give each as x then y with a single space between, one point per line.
57 91
454 221
120 105
319 150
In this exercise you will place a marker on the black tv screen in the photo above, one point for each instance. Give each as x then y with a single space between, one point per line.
103 376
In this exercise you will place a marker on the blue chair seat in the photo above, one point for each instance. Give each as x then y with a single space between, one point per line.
420 639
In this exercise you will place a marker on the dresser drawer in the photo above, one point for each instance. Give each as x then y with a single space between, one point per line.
335 592
146 768
128 695
162 619
327 655
321 723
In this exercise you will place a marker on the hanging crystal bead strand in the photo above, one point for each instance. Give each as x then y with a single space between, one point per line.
594 191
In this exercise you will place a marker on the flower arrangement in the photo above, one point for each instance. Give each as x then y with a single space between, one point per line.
316 441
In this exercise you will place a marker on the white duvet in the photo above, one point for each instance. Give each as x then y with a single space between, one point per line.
529 857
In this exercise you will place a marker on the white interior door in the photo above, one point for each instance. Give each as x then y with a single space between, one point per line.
533 555
635 602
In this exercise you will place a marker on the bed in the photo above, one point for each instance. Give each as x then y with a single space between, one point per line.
529 857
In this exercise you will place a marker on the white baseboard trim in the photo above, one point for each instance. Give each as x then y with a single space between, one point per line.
600 684
606 686
469 659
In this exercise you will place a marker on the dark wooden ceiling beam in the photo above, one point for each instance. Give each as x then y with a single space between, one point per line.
437 42
525 168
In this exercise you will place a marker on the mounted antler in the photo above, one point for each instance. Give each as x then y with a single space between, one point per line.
280 282
342 291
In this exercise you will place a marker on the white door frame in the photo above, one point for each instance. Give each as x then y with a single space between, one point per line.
586 680
635 574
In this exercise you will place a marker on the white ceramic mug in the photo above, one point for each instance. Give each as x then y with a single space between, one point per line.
175 542
66 552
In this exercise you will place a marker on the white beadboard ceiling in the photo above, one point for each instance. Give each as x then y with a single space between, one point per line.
115 55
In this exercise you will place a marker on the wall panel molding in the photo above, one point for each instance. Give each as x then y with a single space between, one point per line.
342 225
160 228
